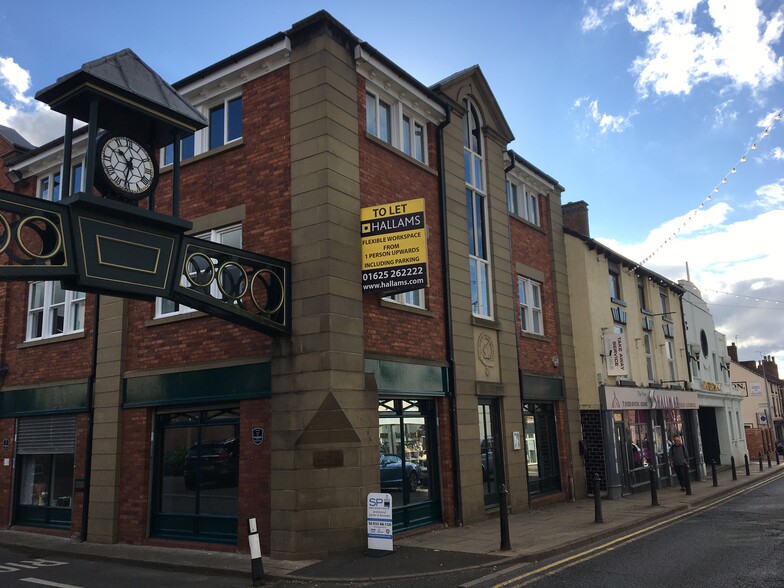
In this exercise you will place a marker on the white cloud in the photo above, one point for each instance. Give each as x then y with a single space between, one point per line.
723 114
737 46
771 195
596 16
34 120
777 153
606 122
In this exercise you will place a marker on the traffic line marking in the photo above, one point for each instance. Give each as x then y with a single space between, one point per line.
47 583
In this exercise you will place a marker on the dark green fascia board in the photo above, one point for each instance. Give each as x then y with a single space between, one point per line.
199 386
65 398
408 379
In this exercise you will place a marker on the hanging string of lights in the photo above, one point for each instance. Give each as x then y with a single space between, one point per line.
744 158
744 297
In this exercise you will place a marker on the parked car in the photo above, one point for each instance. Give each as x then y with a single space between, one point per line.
217 461
392 476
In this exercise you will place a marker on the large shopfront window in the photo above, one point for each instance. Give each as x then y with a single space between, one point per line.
408 464
639 455
45 471
197 475
541 447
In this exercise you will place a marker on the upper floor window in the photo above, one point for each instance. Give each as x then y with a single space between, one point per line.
415 298
53 311
225 122
615 281
413 138
231 236
379 118
476 208
641 293
387 121
649 364
522 202
187 150
670 350
530 296
49 187
664 303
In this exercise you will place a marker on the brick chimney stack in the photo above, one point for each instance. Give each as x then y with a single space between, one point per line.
768 364
575 217
732 351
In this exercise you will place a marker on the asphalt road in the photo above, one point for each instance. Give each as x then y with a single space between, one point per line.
735 543
20 569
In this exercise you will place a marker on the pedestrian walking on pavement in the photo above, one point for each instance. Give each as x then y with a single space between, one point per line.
679 460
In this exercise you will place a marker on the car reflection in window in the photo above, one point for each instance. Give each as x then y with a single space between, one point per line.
215 462
391 469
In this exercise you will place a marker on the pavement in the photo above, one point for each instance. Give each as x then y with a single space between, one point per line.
534 535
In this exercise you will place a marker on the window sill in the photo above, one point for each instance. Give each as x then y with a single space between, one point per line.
485 323
617 301
527 222
535 336
175 318
48 340
391 148
407 308
207 154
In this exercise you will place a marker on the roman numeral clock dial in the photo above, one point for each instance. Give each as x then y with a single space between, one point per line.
126 167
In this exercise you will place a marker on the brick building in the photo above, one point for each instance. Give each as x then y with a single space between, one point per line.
130 421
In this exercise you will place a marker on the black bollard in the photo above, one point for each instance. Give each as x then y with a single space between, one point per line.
688 481
713 473
777 458
654 492
734 471
746 460
760 460
506 545
769 464
256 565
597 499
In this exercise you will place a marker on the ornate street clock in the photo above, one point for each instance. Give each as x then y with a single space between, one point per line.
125 167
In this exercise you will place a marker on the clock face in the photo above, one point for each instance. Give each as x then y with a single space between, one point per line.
126 167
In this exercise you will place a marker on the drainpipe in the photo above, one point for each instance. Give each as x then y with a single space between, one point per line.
449 332
88 458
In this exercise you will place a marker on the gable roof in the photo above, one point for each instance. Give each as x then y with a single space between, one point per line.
17 141
494 116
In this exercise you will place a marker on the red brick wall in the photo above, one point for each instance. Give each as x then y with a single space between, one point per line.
134 475
385 176
7 431
531 246
257 174
255 466
447 462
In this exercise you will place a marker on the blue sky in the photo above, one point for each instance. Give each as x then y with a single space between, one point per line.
639 107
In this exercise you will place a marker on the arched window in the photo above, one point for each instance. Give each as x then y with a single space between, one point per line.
476 205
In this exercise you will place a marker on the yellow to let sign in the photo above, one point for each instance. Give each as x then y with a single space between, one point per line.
394 246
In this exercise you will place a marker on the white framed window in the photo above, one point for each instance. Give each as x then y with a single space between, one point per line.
648 346
476 208
187 150
388 121
231 236
668 346
414 298
49 186
529 294
225 122
378 117
53 311
522 201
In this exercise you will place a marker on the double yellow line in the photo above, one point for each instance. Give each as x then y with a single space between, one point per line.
588 554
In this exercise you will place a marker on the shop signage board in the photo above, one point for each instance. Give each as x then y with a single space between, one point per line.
394 247
615 353
630 398
379 521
